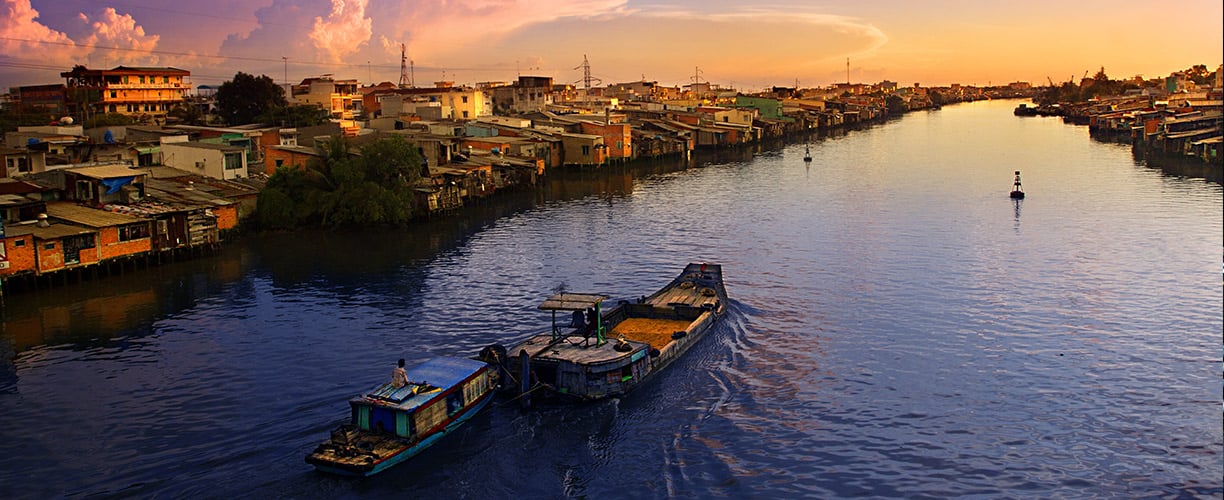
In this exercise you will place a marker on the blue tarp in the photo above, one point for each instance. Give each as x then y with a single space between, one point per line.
113 185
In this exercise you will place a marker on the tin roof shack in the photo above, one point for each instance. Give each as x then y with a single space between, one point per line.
440 192
251 137
227 201
15 208
22 161
505 171
100 185
119 236
294 157
617 136
17 254
59 247
218 161
56 146
583 149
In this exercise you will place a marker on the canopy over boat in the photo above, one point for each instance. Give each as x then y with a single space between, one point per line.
571 301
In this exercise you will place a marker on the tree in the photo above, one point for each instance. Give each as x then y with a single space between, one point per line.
895 104
188 113
107 120
937 99
245 98
297 115
342 189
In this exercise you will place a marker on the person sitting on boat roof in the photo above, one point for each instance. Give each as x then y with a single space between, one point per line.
399 377
576 320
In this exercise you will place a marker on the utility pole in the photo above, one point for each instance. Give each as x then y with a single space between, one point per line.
586 74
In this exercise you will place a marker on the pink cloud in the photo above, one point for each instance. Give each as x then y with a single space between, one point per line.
344 31
21 34
119 40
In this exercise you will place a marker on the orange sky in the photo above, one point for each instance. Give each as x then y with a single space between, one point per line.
748 45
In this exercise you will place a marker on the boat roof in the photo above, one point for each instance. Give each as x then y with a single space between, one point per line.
441 373
444 371
571 301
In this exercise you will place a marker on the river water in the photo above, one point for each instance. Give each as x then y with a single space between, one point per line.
899 327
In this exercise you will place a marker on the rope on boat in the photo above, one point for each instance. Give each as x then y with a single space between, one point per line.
539 385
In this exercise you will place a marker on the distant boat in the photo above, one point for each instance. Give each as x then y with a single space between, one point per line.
1017 193
807 153
392 424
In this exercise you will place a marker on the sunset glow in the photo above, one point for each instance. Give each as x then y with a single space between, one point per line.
748 46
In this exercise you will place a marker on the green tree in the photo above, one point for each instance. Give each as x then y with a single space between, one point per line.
297 115
895 105
343 189
107 119
245 98
11 118
937 98
187 113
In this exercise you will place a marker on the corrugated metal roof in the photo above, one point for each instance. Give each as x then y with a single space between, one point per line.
57 231
107 171
89 217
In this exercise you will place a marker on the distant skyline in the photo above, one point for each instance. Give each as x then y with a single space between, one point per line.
747 45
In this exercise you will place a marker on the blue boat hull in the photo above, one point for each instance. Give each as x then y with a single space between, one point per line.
413 450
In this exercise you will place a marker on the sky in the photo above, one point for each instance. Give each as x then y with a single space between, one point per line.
746 45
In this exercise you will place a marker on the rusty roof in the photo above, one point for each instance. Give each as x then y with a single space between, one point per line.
57 231
90 217
107 171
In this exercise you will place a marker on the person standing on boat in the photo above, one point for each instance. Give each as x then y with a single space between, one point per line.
399 377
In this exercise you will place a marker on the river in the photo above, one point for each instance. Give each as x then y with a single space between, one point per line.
899 327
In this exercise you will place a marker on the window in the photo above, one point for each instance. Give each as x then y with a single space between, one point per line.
133 232
114 94
84 191
586 151
141 78
465 114
465 99
49 246
233 161
19 243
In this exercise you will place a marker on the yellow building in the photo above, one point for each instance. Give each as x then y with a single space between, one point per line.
142 93
339 97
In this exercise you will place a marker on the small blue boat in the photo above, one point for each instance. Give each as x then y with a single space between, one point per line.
390 425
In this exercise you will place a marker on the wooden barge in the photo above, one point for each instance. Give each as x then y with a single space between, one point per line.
607 353
391 424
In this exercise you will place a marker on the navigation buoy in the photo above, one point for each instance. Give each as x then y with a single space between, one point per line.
1017 193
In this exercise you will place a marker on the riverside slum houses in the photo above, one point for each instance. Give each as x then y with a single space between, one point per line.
77 202
1179 118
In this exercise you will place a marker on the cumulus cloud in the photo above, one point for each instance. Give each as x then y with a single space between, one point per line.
23 36
344 31
119 40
